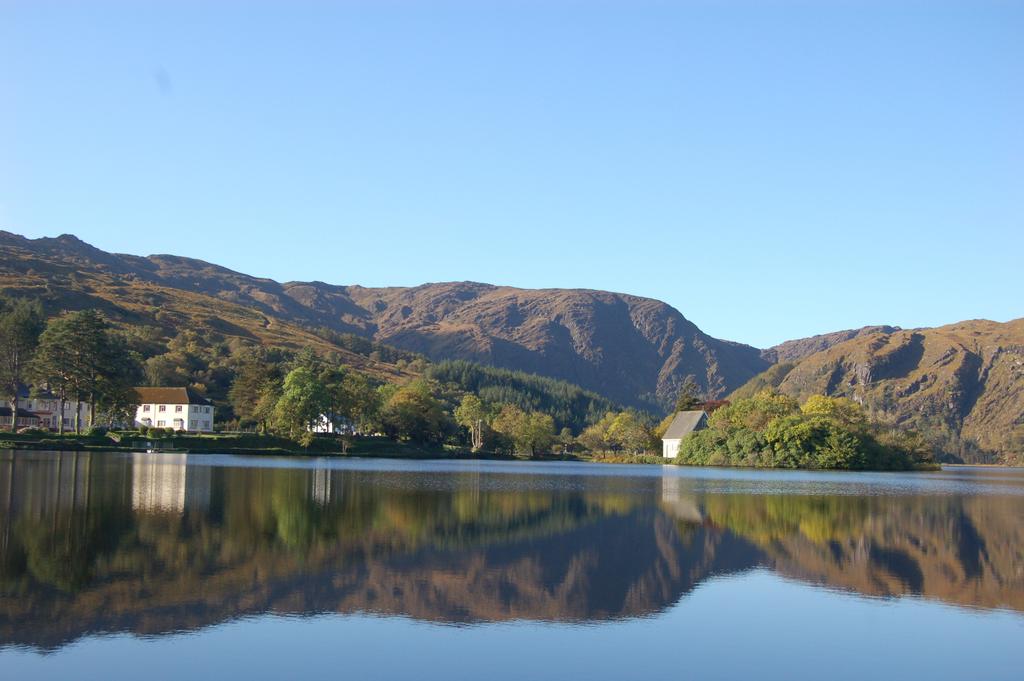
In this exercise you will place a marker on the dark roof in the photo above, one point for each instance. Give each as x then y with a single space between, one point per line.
25 392
685 423
22 413
170 396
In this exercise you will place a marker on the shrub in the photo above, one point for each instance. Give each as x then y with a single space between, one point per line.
827 433
697 448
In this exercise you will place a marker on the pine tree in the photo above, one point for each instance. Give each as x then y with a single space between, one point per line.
21 322
689 395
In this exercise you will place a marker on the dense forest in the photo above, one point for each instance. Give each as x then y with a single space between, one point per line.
568 404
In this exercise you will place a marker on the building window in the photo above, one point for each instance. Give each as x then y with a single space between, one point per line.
161 424
177 407
192 424
162 407
145 407
206 425
206 410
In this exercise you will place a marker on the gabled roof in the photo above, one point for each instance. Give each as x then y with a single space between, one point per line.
170 396
685 423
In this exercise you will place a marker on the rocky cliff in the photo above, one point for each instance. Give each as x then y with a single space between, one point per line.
961 384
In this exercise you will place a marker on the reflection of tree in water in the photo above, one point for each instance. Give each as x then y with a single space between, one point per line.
236 541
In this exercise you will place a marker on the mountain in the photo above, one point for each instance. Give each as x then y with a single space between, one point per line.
631 349
961 384
793 350
158 301
634 350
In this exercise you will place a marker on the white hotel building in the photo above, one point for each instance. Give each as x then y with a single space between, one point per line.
178 408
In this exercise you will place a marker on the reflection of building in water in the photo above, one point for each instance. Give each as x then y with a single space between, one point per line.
321 483
38 485
165 482
680 504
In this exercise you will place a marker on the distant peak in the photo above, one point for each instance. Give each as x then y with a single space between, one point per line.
69 239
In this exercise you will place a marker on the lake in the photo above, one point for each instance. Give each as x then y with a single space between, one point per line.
169 566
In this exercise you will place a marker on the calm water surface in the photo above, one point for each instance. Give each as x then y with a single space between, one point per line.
116 566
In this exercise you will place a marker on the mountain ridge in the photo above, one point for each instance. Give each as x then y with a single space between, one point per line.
635 350
962 384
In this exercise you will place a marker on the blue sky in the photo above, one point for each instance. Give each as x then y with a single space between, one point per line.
772 169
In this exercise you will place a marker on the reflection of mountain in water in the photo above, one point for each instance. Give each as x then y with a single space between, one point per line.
152 545
962 550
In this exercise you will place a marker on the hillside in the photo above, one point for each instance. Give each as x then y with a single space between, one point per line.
67 274
961 384
793 350
634 350
631 349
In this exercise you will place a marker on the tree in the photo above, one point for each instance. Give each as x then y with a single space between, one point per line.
255 377
629 432
307 358
115 396
102 366
594 437
471 414
565 439
360 399
303 400
841 449
840 409
353 401
513 423
541 432
54 362
192 360
266 404
754 412
689 395
21 323
412 412
532 432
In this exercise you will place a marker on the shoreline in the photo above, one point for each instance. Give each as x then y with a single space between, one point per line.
243 445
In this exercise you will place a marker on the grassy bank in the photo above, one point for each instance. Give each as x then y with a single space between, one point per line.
273 445
228 443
